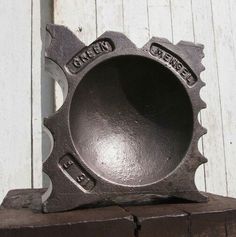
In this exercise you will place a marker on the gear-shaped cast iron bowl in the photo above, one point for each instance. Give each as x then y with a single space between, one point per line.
128 127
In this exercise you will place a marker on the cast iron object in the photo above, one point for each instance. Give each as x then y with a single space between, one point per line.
128 129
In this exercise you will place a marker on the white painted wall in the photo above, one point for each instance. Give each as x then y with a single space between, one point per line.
26 93
22 89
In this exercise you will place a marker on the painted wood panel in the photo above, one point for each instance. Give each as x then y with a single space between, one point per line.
21 71
83 25
210 22
36 120
211 117
226 67
15 96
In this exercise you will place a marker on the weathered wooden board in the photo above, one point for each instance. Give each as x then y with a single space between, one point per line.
211 117
226 68
21 44
217 218
15 96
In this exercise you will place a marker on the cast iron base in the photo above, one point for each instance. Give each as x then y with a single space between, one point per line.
20 216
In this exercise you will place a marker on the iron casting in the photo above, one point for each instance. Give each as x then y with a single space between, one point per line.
128 130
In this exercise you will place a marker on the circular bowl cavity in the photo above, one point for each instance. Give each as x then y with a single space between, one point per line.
131 120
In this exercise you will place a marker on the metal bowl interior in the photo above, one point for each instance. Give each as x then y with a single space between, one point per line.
131 120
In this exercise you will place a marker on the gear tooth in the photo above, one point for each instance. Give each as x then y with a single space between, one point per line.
48 122
159 40
203 130
201 158
204 159
45 166
203 104
118 39
202 67
59 41
201 84
185 43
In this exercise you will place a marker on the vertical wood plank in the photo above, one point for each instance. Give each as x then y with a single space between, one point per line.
231 169
109 16
80 17
15 96
211 117
36 97
160 22
225 54
182 27
42 87
136 23
47 84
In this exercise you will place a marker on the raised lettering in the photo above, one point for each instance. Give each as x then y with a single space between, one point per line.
97 48
86 56
105 46
175 64
167 57
74 171
184 73
76 62
90 53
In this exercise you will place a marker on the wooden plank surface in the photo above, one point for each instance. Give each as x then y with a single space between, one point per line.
182 29
81 20
36 120
109 16
15 96
213 140
19 216
136 22
226 61
160 20
21 46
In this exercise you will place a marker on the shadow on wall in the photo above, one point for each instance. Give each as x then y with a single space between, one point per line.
47 85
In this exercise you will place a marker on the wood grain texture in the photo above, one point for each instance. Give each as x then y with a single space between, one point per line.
36 120
211 117
81 20
22 60
136 22
226 61
183 29
217 218
15 96
160 21
109 16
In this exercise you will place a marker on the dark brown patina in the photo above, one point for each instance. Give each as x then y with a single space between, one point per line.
128 129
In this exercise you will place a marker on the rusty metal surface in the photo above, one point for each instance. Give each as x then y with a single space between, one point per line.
128 129
217 218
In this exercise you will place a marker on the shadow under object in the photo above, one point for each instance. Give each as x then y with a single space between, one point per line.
128 129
